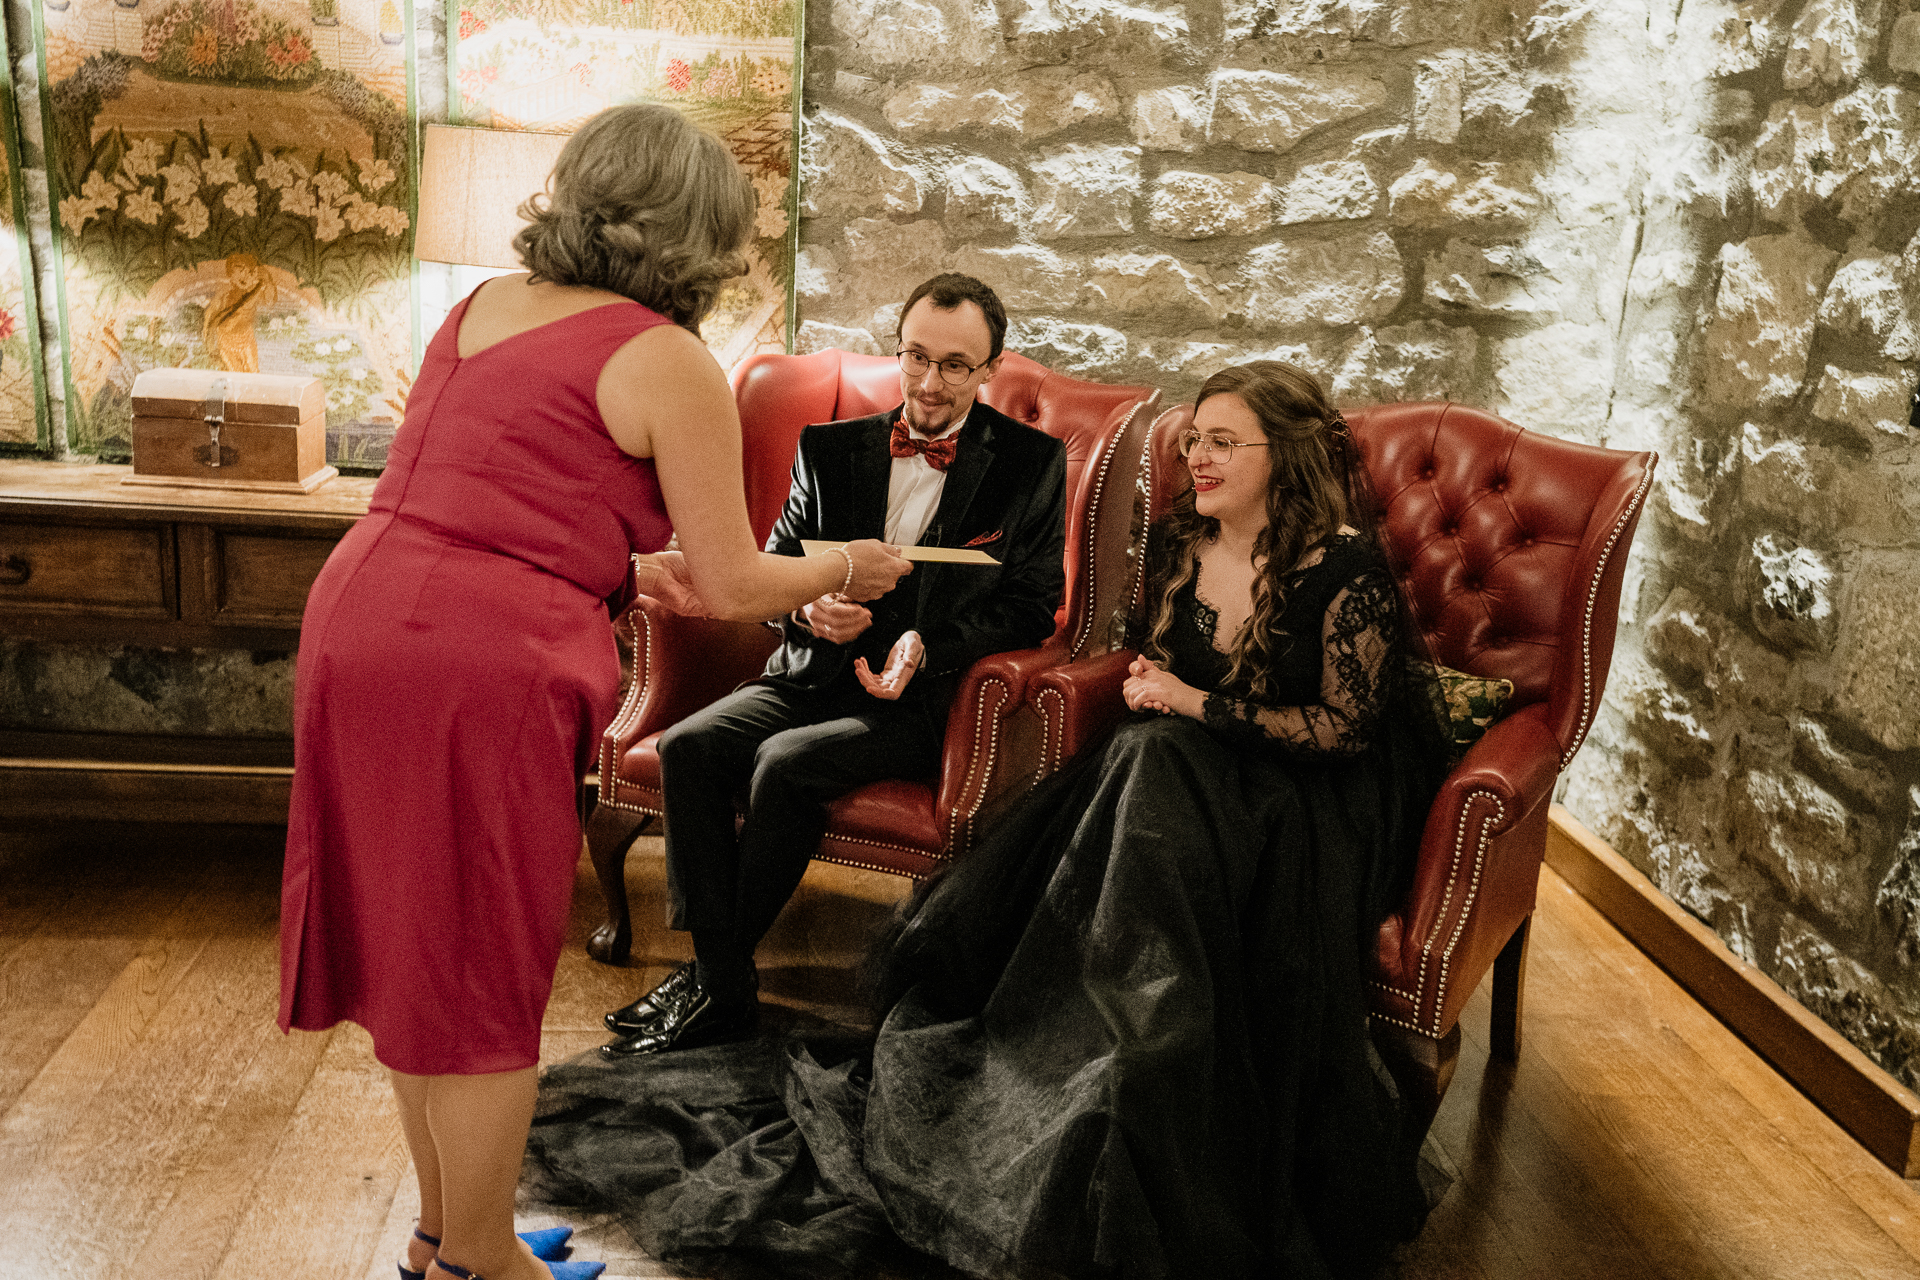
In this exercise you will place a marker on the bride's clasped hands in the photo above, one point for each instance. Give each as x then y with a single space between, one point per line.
1149 687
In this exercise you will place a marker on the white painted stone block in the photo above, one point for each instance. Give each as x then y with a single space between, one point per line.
1085 191
1338 190
1197 206
1357 280
1271 110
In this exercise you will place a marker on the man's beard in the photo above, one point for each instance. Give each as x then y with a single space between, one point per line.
916 415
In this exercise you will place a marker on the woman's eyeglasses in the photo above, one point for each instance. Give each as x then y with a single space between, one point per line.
1214 448
953 371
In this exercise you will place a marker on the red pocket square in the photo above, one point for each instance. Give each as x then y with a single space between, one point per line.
985 538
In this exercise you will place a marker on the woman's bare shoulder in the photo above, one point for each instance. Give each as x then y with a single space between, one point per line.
662 381
666 349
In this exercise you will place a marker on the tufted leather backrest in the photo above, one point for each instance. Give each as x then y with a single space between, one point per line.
779 395
1507 542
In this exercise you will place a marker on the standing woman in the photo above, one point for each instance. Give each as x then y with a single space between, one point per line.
456 662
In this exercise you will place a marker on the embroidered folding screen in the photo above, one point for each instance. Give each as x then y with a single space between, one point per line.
22 391
234 188
729 64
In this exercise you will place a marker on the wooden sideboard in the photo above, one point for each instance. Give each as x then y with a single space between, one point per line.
88 558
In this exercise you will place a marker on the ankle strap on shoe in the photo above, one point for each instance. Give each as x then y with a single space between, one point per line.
424 1238
455 1269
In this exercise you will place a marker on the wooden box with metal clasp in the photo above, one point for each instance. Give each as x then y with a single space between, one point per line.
206 428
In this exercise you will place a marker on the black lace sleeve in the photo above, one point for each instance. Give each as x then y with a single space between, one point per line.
1355 641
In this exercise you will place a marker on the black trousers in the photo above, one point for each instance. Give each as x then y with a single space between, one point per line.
792 751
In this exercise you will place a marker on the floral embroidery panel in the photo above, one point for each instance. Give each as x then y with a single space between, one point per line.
233 189
548 65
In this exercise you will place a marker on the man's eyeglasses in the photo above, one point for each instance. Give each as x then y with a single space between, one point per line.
1214 447
953 371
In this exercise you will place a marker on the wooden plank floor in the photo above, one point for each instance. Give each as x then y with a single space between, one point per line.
154 1123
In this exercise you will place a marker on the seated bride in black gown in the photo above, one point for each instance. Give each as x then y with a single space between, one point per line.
1126 1036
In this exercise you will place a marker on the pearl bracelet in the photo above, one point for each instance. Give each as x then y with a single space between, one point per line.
848 556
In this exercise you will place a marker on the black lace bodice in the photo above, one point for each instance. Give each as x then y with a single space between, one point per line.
1332 679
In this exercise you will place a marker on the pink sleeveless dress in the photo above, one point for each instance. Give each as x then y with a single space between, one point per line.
456 668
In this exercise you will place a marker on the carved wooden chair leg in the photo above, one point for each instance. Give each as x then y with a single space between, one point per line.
1509 988
1420 1065
610 833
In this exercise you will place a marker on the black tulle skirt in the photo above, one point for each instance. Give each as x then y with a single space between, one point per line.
1124 1037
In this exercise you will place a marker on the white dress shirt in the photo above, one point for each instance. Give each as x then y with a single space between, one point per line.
913 492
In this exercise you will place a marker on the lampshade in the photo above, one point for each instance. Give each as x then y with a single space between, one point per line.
471 181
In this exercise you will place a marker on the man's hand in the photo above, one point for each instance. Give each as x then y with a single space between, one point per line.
902 661
836 618
1148 688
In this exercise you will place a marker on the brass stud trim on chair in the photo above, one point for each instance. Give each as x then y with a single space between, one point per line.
870 866
1411 997
1400 1022
1473 891
1466 908
960 824
1587 699
1053 730
1142 519
630 705
1089 591
910 850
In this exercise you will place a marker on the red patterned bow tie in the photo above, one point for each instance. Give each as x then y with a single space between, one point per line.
938 453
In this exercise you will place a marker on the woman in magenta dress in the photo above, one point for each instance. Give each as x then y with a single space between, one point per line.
456 664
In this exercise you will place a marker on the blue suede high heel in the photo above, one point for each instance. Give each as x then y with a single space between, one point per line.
561 1270
549 1244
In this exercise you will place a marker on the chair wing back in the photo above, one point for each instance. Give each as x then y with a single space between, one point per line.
1092 419
1158 474
779 395
1510 545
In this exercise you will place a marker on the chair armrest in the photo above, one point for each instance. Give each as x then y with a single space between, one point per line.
1078 703
972 758
1503 778
681 664
1017 668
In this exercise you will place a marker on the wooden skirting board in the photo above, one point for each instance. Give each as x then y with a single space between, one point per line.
120 791
1881 1114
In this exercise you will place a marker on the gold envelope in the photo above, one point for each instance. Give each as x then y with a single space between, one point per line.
942 555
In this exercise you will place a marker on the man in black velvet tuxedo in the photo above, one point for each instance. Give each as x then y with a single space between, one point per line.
856 693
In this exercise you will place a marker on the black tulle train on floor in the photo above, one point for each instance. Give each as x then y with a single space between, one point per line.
1125 1037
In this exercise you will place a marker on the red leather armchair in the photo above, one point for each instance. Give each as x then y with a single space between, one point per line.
1510 546
906 826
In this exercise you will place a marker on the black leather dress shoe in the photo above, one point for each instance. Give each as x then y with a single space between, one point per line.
644 1012
636 1016
694 1018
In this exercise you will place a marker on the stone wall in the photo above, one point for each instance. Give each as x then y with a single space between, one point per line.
1687 227
1760 756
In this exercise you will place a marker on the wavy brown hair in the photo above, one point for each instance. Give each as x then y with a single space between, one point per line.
1316 486
643 203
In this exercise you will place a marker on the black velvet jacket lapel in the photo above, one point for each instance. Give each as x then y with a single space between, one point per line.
872 469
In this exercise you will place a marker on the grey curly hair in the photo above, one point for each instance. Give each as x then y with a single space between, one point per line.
643 203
